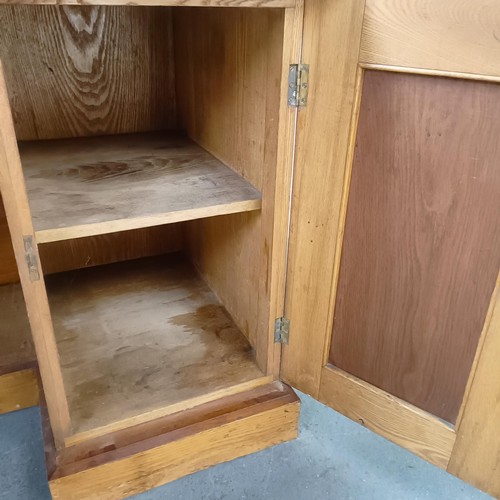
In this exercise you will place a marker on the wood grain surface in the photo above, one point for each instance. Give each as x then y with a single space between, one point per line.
456 36
82 70
8 268
228 74
165 3
422 240
18 390
97 185
139 336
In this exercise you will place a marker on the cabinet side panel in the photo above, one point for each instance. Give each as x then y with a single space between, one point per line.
77 71
421 249
228 68
8 269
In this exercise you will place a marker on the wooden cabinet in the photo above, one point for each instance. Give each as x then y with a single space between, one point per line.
170 212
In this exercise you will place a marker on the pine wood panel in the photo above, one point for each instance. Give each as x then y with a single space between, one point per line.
137 337
229 75
18 214
81 70
107 248
244 427
90 186
476 455
422 241
417 431
458 36
320 166
18 390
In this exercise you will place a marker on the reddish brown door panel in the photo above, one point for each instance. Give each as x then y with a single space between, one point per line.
422 240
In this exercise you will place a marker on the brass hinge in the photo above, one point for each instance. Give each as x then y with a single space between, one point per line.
298 85
281 330
31 258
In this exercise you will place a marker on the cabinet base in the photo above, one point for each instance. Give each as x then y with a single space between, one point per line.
139 458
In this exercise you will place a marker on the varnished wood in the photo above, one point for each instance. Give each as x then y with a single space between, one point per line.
137 337
456 36
81 70
90 186
107 248
16 205
18 390
422 227
242 429
476 455
418 431
322 143
229 75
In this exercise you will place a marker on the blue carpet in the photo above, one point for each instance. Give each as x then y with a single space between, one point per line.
333 458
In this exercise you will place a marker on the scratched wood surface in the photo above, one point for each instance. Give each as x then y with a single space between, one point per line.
87 70
422 240
138 336
89 186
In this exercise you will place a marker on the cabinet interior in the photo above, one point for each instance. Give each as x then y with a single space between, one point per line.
148 140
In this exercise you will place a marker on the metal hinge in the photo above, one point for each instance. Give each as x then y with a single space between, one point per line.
31 258
281 330
298 85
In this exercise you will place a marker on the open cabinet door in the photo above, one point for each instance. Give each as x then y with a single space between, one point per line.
392 287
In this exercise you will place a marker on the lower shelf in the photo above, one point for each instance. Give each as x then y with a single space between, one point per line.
141 339
133 460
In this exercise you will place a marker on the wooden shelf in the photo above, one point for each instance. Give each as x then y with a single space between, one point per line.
141 339
165 3
89 186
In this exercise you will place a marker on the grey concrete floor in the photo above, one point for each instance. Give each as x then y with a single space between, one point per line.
332 458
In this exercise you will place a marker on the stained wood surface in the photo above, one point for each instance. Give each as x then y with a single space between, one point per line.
423 434
82 70
13 190
476 455
139 336
165 3
457 36
8 268
89 186
18 390
422 240
107 248
16 343
320 166
235 429
229 75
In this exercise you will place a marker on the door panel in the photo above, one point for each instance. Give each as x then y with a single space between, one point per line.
422 239
418 263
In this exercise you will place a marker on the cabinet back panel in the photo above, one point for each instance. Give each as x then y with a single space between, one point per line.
78 71
228 74
421 249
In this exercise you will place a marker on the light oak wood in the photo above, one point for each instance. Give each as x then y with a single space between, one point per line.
66 255
457 36
164 3
229 75
16 343
129 470
421 249
476 455
320 169
404 424
137 337
16 205
82 70
18 390
90 186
